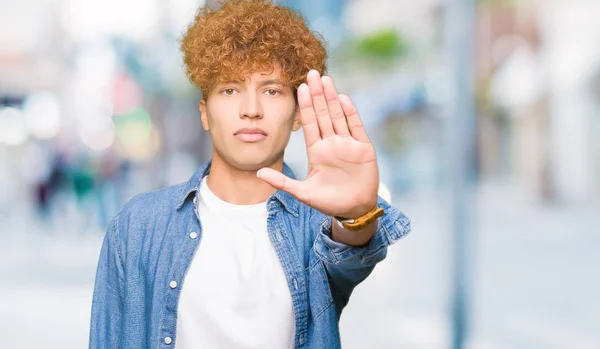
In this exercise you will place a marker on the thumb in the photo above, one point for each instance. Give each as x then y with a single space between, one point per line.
280 181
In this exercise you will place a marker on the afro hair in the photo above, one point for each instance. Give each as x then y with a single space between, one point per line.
246 36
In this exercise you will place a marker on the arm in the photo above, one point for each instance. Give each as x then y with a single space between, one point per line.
342 181
107 304
347 265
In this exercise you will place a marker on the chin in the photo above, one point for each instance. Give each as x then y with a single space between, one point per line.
250 161
247 166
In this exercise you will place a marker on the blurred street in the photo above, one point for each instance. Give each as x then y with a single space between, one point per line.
526 295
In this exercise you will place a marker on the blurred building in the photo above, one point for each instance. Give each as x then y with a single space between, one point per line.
539 116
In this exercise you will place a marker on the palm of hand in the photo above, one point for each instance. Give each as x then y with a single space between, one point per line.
343 176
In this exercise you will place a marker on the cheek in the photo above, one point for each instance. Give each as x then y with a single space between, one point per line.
222 119
284 112
284 129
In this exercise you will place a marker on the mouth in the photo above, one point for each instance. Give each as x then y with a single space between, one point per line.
250 135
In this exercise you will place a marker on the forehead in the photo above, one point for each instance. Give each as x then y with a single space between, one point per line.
272 74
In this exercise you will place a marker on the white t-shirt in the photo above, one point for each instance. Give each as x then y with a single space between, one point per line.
235 294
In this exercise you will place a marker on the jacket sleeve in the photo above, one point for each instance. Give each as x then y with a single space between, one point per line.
347 266
107 303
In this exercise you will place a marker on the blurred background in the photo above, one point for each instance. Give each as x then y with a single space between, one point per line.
486 121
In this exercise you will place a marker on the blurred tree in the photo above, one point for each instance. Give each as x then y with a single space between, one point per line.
385 44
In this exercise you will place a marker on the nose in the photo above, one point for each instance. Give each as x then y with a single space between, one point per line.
251 107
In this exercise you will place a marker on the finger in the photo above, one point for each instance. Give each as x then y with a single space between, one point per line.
280 181
308 117
355 125
319 104
335 108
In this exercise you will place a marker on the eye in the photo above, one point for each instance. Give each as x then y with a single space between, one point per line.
228 91
273 92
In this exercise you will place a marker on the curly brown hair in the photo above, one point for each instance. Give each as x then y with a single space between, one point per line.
246 36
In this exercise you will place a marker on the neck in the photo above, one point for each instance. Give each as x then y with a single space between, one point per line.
236 186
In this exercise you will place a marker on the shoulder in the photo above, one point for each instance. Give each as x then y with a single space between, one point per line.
154 201
146 209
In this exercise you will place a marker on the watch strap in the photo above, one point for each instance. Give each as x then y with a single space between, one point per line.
360 222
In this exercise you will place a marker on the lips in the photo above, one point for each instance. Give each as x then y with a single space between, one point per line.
250 134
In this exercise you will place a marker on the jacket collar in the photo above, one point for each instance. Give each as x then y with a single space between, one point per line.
289 202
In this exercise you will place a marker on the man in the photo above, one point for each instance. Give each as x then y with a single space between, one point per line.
243 255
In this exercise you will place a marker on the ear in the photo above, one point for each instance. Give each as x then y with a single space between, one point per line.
297 120
203 115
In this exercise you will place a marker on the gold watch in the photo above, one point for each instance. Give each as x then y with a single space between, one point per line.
359 223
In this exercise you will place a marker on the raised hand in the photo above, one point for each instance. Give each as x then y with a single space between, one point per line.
343 176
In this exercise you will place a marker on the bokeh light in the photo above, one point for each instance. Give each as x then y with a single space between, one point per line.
99 135
13 130
137 138
42 115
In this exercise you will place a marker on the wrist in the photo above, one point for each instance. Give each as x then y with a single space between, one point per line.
358 211
362 221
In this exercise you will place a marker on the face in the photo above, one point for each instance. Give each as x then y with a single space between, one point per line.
250 122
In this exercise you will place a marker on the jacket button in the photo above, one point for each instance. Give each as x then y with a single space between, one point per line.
193 235
172 284
168 340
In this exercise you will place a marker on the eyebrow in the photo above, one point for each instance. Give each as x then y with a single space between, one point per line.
271 82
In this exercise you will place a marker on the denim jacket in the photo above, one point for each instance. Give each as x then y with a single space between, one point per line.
153 238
